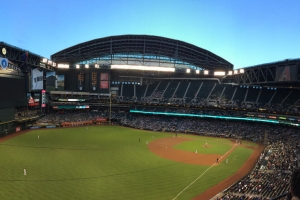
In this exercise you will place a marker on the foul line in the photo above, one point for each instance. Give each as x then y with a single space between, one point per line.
203 173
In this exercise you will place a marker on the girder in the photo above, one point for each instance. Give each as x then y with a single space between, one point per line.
145 46
268 73
14 54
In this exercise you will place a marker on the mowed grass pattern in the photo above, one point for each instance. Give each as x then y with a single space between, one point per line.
214 145
101 162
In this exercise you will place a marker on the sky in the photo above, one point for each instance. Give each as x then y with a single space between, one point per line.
243 32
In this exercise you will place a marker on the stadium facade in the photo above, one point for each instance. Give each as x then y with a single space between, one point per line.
143 70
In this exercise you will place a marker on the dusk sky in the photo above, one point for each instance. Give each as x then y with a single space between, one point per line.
245 33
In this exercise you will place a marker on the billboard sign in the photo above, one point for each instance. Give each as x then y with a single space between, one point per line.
3 63
60 82
286 73
104 84
50 81
43 98
104 77
80 80
37 79
94 80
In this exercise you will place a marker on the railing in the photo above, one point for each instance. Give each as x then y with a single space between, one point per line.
281 196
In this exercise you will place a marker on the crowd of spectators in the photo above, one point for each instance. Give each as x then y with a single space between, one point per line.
273 169
56 118
272 173
24 113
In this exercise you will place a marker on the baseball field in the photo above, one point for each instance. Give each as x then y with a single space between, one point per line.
113 162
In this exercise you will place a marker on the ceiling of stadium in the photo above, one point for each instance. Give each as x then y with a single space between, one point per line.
142 50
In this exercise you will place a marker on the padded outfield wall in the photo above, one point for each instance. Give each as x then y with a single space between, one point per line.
13 94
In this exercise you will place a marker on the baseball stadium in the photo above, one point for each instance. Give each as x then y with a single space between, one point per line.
146 117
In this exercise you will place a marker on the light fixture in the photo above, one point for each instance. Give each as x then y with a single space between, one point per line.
144 68
66 66
219 73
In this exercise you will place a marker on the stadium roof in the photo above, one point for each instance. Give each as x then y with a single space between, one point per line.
142 50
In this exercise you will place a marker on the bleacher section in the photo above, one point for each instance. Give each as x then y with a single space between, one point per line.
206 89
265 96
181 89
128 90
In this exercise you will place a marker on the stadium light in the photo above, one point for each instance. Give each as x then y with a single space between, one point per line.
144 68
45 60
235 71
86 66
219 73
49 62
66 66
197 71
242 71
77 66
54 64
205 72
229 73
188 70
96 66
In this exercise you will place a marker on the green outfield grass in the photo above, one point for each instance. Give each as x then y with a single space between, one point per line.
105 162
251 144
214 145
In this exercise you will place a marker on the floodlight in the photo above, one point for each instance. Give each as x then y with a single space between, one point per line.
66 66
54 64
235 71
143 67
49 62
197 71
188 70
86 66
45 60
229 73
242 71
219 73
96 66
77 66
205 72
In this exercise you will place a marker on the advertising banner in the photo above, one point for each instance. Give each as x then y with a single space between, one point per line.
80 80
60 82
43 98
50 81
94 80
37 79
3 63
104 84
286 73
18 129
104 77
